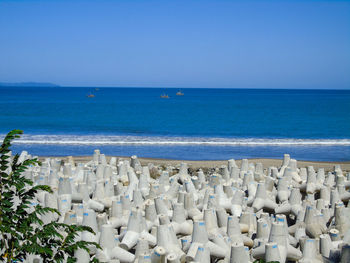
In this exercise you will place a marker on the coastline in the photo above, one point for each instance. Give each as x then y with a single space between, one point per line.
195 164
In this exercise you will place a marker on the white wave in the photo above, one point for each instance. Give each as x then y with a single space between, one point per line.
164 140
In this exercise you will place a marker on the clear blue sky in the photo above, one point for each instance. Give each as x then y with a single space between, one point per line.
226 44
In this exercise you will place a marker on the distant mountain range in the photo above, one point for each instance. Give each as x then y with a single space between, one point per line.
27 84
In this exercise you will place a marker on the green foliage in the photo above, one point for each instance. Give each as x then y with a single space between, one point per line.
22 231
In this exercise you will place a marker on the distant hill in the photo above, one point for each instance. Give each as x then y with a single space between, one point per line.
27 84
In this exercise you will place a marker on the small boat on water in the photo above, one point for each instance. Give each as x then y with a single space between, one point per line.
179 93
90 95
164 96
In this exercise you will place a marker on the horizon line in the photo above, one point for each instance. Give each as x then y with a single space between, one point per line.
155 87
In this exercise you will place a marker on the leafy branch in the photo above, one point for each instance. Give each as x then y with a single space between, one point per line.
22 230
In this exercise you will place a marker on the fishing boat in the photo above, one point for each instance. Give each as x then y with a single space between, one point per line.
90 95
179 93
164 96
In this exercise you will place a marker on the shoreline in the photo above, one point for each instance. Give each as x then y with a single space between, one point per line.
196 164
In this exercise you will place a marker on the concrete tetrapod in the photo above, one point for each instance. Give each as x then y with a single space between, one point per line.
222 214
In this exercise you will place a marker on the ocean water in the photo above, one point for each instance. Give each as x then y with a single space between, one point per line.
206 124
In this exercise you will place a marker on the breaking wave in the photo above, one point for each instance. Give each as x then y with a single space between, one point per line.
167 140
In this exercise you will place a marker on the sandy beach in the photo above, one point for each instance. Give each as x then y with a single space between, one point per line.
328 166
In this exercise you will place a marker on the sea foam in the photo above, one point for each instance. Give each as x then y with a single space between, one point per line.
171 140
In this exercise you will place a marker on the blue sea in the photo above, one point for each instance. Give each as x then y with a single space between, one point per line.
204 124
